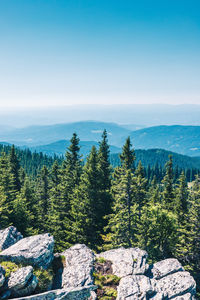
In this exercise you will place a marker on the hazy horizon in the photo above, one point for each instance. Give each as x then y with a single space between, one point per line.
137 114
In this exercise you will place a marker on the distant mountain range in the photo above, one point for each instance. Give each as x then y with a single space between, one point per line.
143 114
55 138
181 139
59 148
87 131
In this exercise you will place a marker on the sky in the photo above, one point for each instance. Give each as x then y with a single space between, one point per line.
64 52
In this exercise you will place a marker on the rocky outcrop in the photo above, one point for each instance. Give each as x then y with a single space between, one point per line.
79 264
81 293
172 282
135 287
177 284
134 279
126 262
35 250
166 267
9 237
22 282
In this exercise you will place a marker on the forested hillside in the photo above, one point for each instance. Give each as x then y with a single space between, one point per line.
104 208
31 162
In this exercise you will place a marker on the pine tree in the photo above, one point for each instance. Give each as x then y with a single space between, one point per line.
42 194
7 187
58 217
157 233
122 222
128 156
168 190
15 168
87 206
154 196
182 195
105 179
140 188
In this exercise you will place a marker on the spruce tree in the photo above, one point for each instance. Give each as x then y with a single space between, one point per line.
140 188
42 194
157 232
87 206
168 194
127 156
121 229
182 195
105 179
15 168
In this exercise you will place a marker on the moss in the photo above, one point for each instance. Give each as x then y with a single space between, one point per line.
112 279
110 292
45 278
9 267
100 260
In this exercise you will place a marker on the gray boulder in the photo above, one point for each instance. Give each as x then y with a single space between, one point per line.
9 237
126 262
166 267
177 284
2 276
187 296
134 287
34 250
81 293
79 264
22 282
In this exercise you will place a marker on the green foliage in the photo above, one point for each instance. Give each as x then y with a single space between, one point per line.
150 208
100 260
9 267
45 278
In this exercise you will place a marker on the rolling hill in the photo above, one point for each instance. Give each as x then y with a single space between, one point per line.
59 148
87 131
152 157
181 139
176 138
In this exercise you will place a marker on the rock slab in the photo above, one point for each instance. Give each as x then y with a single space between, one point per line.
126 262
22 282
177 284
9 237
166 267
79 264
34 250
81 293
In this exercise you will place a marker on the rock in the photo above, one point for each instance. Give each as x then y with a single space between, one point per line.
81 293
22 282
166 267
9 237
187 296
126 262
134 287
79 264
176 284
34 250
93 296
2 276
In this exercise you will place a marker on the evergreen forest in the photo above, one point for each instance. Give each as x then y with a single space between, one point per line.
101 205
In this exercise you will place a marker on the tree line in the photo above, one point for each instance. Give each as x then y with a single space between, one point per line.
104 207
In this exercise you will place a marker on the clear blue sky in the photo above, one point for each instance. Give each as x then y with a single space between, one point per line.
99 51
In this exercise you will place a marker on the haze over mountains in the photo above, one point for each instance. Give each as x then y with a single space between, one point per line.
142 115
52 139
